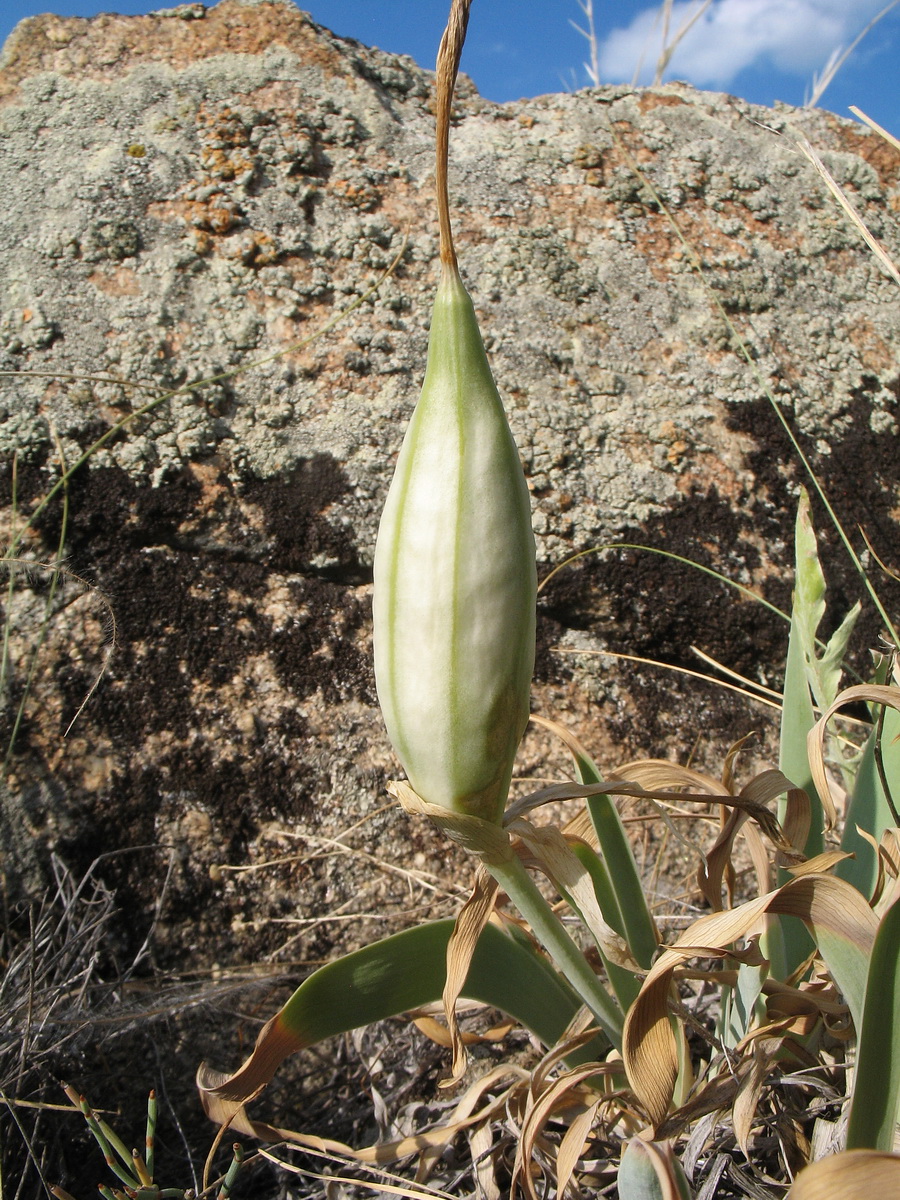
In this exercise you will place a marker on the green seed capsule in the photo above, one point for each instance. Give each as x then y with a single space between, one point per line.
455 581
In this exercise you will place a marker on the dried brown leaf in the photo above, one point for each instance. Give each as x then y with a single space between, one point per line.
560 1094
649 1049
868 693
850 1175
470 923
463 1117
572 1146
440 1034
820 864
552 853
762 1059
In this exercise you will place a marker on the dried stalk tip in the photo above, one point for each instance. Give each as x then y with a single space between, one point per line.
449 54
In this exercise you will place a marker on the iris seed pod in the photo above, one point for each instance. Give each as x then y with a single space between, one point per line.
455 581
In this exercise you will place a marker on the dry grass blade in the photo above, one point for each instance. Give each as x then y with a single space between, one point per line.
841 196
377 1185
669 47
592 69
747 685
838 57
675 670
888 137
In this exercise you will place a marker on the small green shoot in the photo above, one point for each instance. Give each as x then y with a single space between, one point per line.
134 1171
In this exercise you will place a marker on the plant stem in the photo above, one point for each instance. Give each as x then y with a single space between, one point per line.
548 929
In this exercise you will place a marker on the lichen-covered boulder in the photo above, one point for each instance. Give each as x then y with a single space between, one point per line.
187 197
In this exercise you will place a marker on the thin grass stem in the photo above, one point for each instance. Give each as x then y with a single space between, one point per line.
654 662
687 562
10 588
41 638
838 57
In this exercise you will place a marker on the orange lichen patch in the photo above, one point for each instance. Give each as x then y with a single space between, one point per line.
222 164
574 208
633 141
219 218
110 45
212 485
676 439
257 248
704 471
874 352
120 282
647 101
870 146
363 196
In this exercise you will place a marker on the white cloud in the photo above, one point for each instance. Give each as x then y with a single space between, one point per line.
794 36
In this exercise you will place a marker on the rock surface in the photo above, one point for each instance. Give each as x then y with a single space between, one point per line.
190 195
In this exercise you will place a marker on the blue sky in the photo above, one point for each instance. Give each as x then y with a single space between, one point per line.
762 50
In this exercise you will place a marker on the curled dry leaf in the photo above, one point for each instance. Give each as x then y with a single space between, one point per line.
470 923
751 802
440 1034
465 1116
841 922
868 693
850 1175
552 853
561 1094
